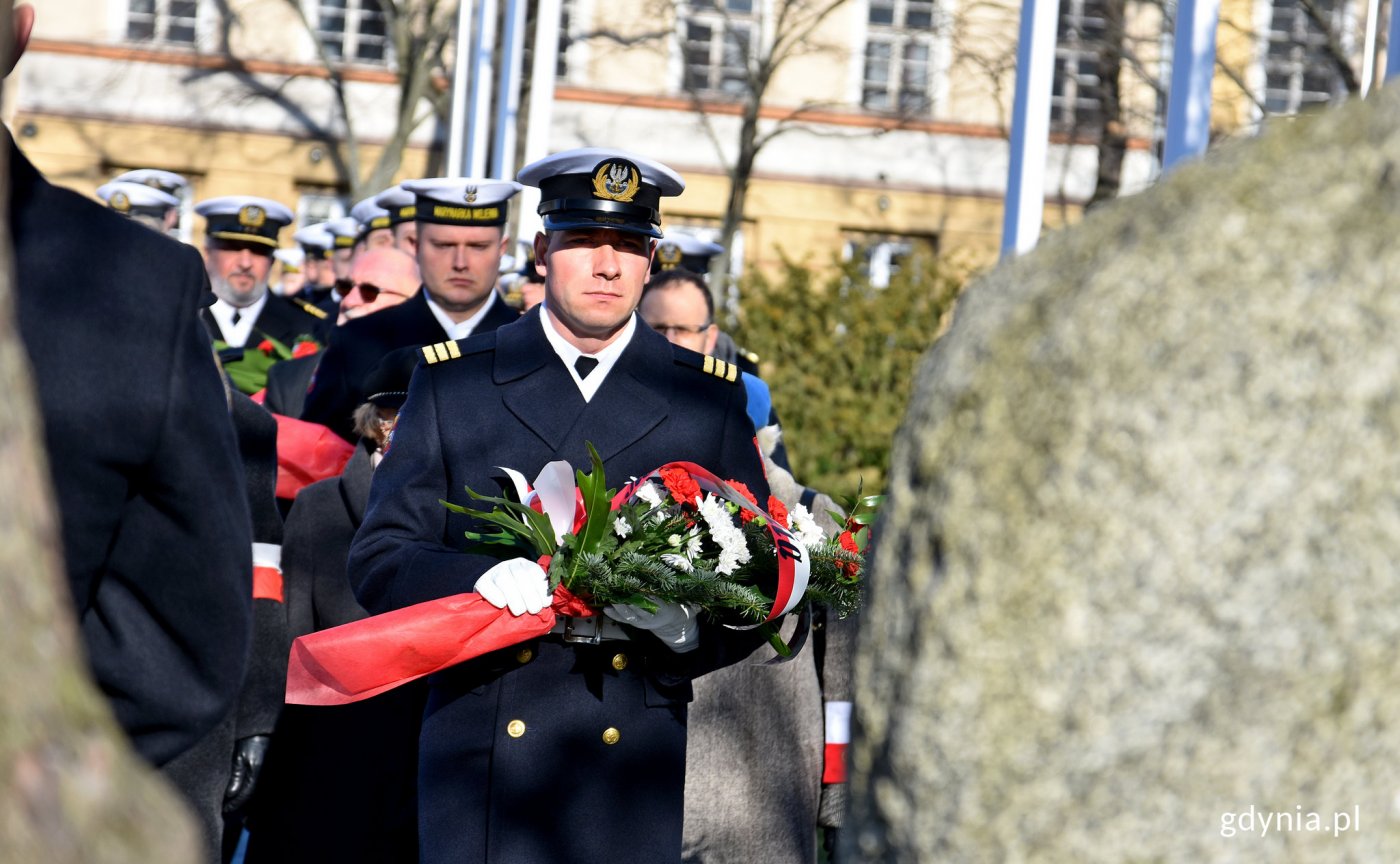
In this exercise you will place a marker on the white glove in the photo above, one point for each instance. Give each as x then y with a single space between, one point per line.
518 583
673 623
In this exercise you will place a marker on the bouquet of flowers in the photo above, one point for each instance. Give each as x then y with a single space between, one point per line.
247 367
678 535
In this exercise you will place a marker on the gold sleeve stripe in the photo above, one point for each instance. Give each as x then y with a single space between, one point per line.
428 354
733 373
709 364
453 351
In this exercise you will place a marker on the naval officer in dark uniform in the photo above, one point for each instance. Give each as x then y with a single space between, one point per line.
554 750
140 203
403 212
461 238
239 239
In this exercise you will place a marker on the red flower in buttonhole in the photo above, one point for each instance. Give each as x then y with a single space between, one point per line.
681 485
266 347
778 511
305 349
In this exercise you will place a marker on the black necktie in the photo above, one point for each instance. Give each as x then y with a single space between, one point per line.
583 365
236 315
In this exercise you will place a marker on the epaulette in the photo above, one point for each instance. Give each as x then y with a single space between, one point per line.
709 365
440 351
749 355
310 308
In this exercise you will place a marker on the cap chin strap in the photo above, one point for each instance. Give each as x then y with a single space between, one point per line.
595 205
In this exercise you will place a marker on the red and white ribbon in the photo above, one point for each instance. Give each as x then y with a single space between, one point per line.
838 736
267 572
794 567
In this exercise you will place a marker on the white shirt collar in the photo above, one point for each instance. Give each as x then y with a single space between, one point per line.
606 358
454 329
237 335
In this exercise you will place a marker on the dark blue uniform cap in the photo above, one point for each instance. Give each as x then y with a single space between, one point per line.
599 187
684 252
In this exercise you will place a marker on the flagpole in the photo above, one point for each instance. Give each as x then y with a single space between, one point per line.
541 113
1193 68
479 133
457 119
1030 127
508 95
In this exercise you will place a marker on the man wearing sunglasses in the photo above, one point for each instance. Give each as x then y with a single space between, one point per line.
461 238
379 278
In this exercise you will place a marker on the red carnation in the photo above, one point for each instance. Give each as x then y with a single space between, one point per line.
305 349
778 511
266 347
681 485
849 568
744 515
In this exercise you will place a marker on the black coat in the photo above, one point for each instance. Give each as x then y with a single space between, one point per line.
358 346
279 319
340 782
265 686
143 456
287 383
558 793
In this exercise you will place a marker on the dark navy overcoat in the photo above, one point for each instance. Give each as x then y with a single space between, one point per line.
547 751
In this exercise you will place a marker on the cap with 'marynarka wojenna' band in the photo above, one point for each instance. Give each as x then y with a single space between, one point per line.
461 200
400 203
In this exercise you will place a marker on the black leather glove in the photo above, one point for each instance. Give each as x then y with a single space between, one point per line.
248 756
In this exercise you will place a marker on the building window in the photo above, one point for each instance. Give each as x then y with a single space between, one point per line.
170 22
882 256
717 44
898 56
352 30
1076 99
320 204
1299 70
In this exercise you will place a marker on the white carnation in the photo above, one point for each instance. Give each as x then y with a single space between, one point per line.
621 527
805 527
733 551
647 494
674 540
679 562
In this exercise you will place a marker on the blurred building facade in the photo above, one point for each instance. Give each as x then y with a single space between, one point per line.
883 126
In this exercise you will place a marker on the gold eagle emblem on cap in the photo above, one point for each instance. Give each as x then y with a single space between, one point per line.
616 181
252 216
470 195
669 254
120 202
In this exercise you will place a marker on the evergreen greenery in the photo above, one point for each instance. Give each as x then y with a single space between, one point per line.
839 357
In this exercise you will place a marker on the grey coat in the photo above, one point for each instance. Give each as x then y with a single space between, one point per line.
753 790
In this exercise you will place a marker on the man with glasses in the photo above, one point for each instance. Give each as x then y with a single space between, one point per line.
461 238
379 278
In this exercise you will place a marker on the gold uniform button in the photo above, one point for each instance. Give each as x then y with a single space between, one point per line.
619 662
525 655
611 735
515 728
